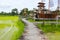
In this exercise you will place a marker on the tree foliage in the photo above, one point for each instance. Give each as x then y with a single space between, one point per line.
14 11
24 10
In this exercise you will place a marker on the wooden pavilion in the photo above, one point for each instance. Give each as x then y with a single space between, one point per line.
43 13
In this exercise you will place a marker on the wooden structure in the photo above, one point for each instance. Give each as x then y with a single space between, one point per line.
43 13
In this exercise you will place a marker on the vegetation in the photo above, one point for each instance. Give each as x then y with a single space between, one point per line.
20 31
12 13
37 20
15 11
10 26
51 30
24 12
53 36
47 28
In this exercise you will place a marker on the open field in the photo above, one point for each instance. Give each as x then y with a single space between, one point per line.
10 28
51 30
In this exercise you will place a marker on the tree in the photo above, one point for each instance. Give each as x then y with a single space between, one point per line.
24 12
14 11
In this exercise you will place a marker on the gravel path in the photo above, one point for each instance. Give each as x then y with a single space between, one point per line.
32 32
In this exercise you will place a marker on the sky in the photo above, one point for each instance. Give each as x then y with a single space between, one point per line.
7 5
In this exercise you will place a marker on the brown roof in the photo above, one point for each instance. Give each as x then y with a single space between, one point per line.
40 6
41 3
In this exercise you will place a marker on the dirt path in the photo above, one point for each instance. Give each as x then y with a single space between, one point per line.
32 32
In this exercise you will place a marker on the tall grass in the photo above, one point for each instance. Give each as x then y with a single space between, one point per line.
49 28
18 34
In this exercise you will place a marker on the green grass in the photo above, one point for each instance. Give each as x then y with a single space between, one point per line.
8 18
51 30
11 30
49 27
4 25
32 20
18 34
53 36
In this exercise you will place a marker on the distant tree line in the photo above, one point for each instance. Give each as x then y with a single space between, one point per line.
12 13
23 12
15 11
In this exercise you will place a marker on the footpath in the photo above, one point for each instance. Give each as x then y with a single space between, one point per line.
32 32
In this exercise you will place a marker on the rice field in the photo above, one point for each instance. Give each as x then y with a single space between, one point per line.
10 28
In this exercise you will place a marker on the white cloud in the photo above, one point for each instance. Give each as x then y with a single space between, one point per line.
7 5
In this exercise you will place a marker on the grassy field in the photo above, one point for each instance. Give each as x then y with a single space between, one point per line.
51 30
32 20
10 28
53 36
